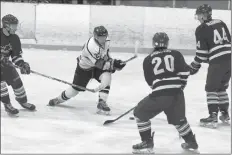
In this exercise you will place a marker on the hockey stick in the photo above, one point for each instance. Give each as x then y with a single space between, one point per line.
111 121
135 52
62 81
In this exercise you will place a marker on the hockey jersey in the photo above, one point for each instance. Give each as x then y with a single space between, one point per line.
166 72
11 47
92 51
213 42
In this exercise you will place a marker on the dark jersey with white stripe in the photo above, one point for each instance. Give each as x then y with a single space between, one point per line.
166 72
213 42
11 47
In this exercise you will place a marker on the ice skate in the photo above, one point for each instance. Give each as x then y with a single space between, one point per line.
225 118
28 106
145 147
103 108
11 110
54 102
191 146
210 122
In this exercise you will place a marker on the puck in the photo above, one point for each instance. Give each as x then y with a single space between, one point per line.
131 118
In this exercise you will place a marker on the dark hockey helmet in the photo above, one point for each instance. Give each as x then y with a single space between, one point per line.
160 40
100 31
9 19
100 34
205 11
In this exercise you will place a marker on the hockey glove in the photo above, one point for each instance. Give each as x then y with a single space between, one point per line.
118 64
194 67
25 68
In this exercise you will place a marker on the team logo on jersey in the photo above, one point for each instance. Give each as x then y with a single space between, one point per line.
6 49
97 55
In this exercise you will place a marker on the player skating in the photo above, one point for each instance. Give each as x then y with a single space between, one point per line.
94 62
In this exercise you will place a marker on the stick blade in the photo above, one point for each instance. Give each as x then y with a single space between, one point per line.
137 43
108 122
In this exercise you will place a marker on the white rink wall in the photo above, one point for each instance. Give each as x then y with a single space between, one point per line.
71 25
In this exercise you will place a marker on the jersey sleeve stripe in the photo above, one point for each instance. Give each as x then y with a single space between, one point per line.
219 54
166 87
202 51
219 47
201 57
183 73
17 59
165 79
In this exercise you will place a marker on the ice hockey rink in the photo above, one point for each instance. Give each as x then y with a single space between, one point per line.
74 127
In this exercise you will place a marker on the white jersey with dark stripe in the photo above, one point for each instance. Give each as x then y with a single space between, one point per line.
165 72
213 42
92 51
11 47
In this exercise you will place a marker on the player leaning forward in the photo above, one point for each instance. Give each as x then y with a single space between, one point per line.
94 62
213 47
11 47
166 72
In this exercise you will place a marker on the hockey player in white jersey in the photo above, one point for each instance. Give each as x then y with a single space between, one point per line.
94 63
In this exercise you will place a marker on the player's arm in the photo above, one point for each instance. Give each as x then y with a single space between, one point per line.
117 63
16 55
147 70
201 52
182 69
227 31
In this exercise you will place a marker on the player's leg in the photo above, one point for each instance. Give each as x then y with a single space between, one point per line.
81 78
105 79
5 99
176 116
19 91
144 111
222 94
212 85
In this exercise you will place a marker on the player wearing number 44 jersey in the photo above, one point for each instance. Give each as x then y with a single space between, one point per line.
166 72
95 62
213 47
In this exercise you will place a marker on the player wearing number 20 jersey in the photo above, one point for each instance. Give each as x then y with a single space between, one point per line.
166 73
214 47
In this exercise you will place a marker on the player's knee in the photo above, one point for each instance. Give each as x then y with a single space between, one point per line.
17 83
179 122
78 89
105 79
138 114
211 88
69 93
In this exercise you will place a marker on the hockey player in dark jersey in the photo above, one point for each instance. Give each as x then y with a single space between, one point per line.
213 47
166 72
11 47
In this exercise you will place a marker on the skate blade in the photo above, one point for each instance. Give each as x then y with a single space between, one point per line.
12 115
101 112
28 110
193 151
209 125
143 151
225 121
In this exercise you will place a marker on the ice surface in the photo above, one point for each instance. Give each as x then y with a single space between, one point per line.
74 127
